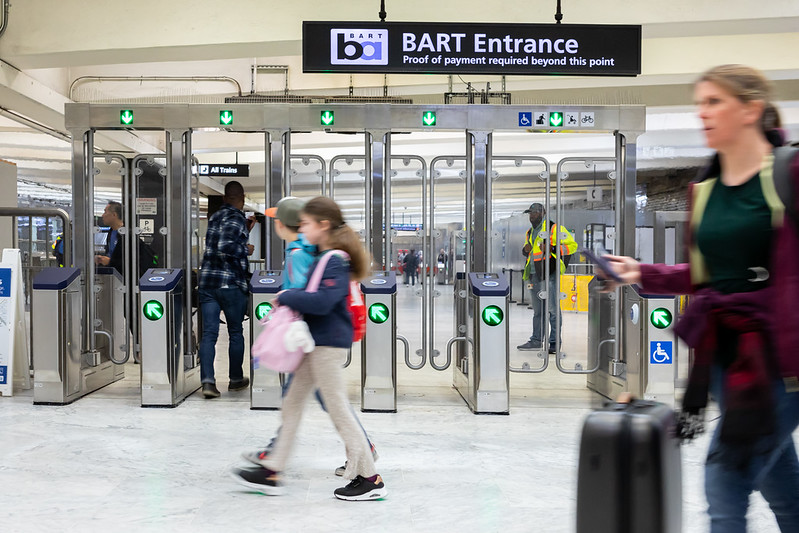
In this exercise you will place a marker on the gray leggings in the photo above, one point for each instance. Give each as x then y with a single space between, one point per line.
321 369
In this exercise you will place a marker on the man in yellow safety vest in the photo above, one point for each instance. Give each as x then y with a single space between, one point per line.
542 271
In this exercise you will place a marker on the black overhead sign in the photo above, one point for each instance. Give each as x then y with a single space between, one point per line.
218 170
453 48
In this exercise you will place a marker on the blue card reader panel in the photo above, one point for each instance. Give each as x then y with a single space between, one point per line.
488 284
160 279
380 282
55 278
266 281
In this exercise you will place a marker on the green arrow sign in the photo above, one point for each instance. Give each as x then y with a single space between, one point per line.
153 310
429 118
556 119
378 313
226 117
661 318
262 309
126 117
493 315
327 118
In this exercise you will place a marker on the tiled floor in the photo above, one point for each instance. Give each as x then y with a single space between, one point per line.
105 464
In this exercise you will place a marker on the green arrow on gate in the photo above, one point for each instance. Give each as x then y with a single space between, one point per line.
378 313
262 309
556 118
226 117
327 118
153 310
493 315
661 318
429 118
126 117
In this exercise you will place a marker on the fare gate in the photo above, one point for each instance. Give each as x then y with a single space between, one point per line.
62 373
167 375
379 347
482 377
266 390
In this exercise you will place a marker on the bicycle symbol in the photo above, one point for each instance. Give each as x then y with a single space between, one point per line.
588 119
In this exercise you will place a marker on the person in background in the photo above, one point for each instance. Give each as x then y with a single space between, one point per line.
330 324
300 255
112 217
741 321
411 266
223 287
58 249
115 258
536 268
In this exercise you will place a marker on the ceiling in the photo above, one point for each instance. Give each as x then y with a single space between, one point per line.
52 53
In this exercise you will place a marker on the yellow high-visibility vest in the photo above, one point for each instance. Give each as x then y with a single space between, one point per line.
568 245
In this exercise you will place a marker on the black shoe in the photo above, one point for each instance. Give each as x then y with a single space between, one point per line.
528 346
552 350
361 489
260 480
210 390
239 385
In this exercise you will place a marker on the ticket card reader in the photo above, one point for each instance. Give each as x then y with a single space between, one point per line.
379 344
166 377
265 391
482 377
62 373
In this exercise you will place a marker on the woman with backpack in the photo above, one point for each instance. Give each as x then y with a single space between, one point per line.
741 321
330 324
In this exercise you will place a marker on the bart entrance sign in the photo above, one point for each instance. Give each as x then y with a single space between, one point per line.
458 48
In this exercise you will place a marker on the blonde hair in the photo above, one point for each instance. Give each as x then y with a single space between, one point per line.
747 84
342 237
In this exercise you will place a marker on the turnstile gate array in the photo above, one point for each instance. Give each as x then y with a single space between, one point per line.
168 372
266 385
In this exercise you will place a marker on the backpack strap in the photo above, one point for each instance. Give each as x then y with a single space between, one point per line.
316 277
784 157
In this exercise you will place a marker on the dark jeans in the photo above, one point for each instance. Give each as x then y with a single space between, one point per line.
775 473
233 302
540 309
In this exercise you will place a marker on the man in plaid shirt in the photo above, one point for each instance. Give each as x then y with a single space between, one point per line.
223 285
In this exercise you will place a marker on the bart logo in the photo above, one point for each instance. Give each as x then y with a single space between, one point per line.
358 47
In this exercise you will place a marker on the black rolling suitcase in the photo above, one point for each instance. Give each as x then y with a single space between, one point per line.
629 478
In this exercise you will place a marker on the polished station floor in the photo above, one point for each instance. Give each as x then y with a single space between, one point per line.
105 464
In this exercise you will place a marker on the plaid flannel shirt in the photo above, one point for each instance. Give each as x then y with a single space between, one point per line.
225 259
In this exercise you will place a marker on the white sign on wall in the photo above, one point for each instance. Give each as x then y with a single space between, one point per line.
147 226
146 206
14 348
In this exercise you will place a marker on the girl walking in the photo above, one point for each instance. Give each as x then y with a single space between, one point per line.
330 324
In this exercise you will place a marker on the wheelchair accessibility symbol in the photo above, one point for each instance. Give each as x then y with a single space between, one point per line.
525 120
660 352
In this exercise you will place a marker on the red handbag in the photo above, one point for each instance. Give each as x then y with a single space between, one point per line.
357 309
